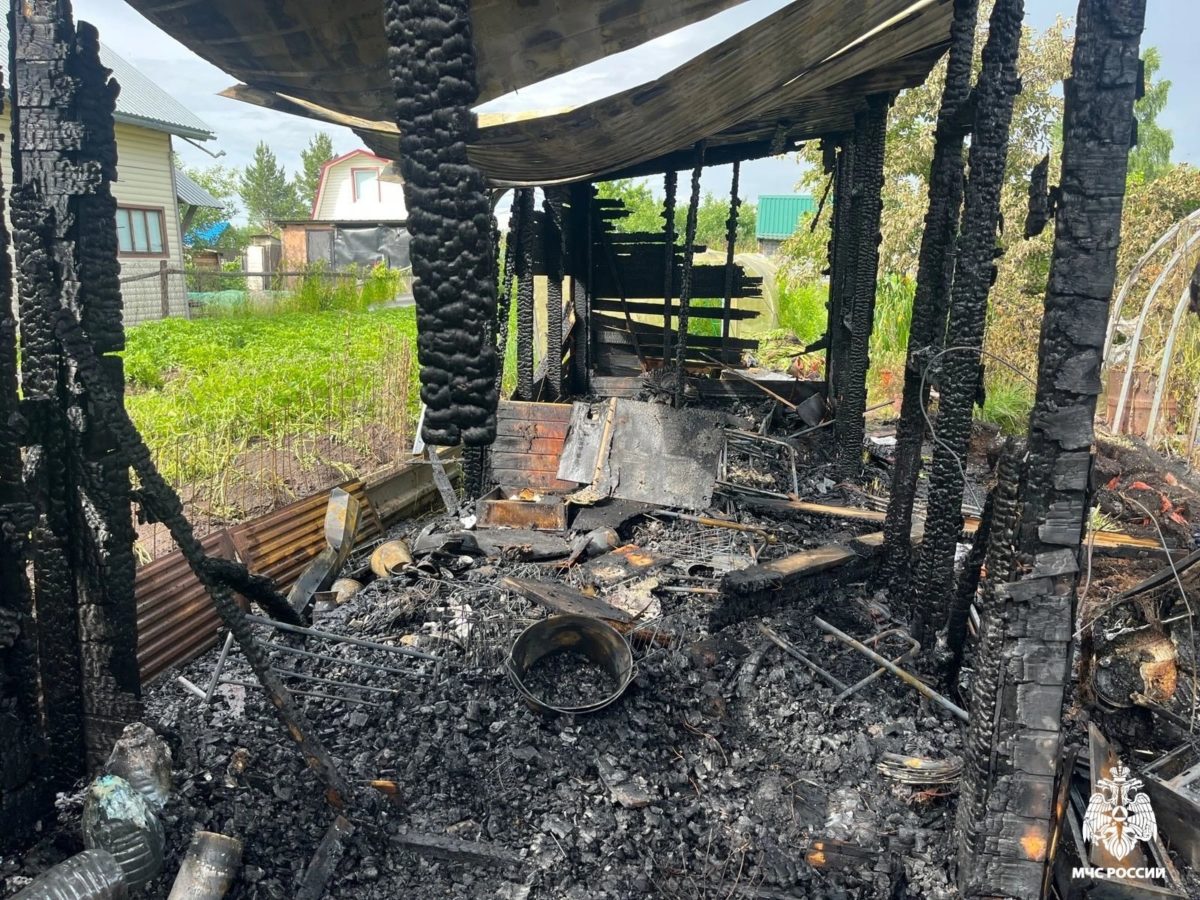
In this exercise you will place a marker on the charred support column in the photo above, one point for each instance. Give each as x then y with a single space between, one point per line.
527 235
432 61
685 281
64 217
731 226
670 181
841 253
23 797
579 267
935 270
1017 763
554 240
870 131
960 370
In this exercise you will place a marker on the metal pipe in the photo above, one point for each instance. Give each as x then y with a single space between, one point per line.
1136 340
216 675
375 667
791 650
909 679
1165 366
340 638
304 676
294 692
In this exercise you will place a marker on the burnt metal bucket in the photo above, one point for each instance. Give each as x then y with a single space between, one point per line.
597 640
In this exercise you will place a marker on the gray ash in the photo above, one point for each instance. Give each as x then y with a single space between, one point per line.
568 679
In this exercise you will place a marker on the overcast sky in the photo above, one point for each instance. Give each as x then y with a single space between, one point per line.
1171 26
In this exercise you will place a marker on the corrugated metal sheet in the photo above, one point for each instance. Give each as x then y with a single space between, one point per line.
141 101
193 194
778 214
176 618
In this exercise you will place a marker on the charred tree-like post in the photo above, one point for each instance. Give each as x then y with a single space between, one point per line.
1017 764
64 216
974 271
685 279
554 240
731 226
841 254
22 794
528 233
670 181
431 57
935 268
870 132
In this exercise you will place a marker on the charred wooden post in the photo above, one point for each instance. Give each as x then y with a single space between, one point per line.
431 57
935 271
579 267
161 501
685 278
23 797
66 244
528 234
870 132
731 226
974 270
1004 851
670 181
982 735
554 238
841 252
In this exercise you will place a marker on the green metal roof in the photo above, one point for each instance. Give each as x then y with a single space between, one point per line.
778 214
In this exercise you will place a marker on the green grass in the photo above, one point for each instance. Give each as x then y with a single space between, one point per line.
203 390
1007 401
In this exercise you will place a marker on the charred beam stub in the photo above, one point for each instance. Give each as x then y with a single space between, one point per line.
974 270
1009 855
870 131
432 61
554 235
22 797
66 244
524 389
685 278
1040 207
935 268
841 252
670 181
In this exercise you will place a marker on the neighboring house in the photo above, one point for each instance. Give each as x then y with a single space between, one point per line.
150 193
358 217
778 216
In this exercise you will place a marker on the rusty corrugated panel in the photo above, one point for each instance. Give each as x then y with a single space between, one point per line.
175 617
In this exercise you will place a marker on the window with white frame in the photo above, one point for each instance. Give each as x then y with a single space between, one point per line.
141 231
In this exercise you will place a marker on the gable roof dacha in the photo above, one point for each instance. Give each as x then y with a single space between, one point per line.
142 102
358 153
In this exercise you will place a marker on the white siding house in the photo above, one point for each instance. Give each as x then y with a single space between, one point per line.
351 190
148 229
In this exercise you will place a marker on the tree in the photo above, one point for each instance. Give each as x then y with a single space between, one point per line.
222 182
312 158
267 194
645 211
1152 155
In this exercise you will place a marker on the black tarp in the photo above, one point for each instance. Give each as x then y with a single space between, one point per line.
370 244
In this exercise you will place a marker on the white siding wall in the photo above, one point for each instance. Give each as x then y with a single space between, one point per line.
145 177
337 197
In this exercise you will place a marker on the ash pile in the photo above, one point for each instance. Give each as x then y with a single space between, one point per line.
651 670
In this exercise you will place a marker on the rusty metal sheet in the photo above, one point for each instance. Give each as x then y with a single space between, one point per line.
176 620
516 511
620 564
